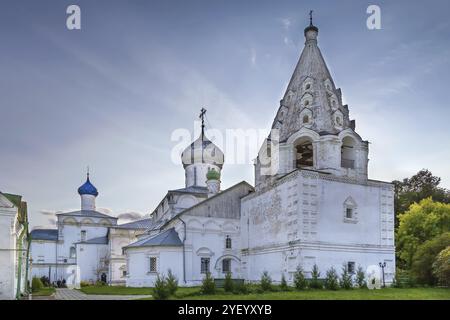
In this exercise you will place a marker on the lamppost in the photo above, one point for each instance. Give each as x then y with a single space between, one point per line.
382 266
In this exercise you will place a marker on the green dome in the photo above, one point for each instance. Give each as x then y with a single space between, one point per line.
212 175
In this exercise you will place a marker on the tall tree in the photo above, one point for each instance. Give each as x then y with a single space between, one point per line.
420 186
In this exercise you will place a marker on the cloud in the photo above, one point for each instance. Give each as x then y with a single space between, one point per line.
253 57
131 216
286 22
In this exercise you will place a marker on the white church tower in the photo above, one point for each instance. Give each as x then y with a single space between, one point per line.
316 205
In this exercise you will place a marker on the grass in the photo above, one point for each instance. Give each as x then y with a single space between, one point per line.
193 293
44 292
355 294
116 290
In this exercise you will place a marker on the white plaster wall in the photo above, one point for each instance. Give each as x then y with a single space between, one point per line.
89 261
139 264
7 254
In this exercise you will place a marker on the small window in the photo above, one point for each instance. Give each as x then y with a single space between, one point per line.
226 265
124 273
349 213
338 121
351 267
305 119
228 242
306 103
83 235
308 86
204 267
73 252
153 266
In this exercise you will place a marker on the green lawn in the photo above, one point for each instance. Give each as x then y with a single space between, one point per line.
355 294
44 292
116 290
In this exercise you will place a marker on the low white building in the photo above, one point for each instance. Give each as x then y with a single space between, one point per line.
13 247
84 245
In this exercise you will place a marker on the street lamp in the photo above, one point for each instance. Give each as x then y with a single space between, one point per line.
382 266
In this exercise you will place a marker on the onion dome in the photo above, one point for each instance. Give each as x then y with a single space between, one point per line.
202 150
88 188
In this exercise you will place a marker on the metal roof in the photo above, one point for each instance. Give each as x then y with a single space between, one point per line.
86 213
98 240
44 234
166 238
139 224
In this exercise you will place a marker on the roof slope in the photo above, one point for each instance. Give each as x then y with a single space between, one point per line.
98 240
86 213
44 234
168 237
138 224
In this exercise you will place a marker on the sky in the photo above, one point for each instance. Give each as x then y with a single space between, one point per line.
110 96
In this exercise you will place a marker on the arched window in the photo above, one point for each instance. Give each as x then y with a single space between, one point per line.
305 119
307 87
304 153
228 242
348 153
73 253
306 103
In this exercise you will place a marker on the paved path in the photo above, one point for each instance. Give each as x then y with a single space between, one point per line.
69 294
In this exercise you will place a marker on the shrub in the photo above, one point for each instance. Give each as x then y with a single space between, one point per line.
99 283
45 281
426 254
266 281
331 280
403 279
283 285
441 267
228 284
299 279
315 282
360 277
172 283
346 279
36 284
208 285
84 284
241 288
161 291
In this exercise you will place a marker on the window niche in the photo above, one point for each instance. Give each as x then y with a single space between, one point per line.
228 242
350 211
153 265
226 265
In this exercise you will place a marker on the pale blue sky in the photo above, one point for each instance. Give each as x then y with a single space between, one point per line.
110 96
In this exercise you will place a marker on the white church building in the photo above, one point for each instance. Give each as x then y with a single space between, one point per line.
312 204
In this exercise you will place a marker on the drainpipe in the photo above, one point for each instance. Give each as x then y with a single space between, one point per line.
27 265
184 250
19 268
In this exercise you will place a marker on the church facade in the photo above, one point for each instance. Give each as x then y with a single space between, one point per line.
312 204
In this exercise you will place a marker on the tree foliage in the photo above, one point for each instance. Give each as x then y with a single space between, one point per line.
346 278
284 285
228 285
422 222
426 255
420 186
208 285
172 282
360 277
160 291
441 267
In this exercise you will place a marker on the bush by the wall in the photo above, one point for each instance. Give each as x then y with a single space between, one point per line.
228 284
299 279
161 291
266 281
283 285
331 280
360 277
346 279
208 285
172 282
241 288
45 281
36 284
441 267
315 283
